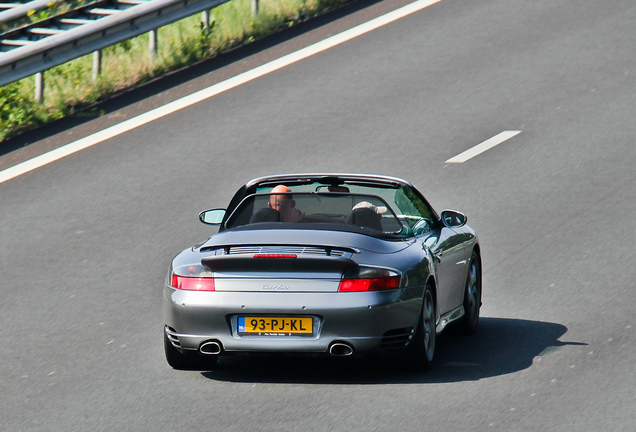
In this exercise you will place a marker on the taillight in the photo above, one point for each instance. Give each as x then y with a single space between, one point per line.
369 279
193 278
375 284
193 283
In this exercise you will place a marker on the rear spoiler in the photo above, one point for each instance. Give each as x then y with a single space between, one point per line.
278 262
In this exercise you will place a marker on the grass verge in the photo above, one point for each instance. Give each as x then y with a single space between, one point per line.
70 87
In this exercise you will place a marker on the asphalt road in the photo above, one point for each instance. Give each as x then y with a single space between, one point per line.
85 242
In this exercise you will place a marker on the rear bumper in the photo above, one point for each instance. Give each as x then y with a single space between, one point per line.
370 321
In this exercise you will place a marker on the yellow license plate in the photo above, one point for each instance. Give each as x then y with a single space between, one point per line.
275 326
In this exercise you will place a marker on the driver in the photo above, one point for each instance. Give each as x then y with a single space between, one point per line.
281 200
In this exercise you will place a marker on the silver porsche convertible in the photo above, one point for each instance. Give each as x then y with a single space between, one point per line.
338 264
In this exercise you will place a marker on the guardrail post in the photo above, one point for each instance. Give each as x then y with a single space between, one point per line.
205 18
39 87
254 7
152 43
97 64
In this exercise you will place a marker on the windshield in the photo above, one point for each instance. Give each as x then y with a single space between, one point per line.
337 209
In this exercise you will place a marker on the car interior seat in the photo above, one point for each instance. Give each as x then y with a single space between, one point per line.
365 217
266 215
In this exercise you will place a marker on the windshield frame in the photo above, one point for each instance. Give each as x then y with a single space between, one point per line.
370 184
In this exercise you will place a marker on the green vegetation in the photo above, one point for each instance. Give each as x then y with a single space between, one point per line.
70 87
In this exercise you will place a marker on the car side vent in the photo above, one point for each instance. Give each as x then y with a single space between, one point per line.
172 337
397 339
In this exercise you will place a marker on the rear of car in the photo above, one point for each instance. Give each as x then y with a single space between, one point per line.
288 298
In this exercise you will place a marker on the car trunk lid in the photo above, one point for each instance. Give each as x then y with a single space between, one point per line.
280 268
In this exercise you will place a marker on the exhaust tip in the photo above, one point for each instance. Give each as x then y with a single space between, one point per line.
211 347
340 349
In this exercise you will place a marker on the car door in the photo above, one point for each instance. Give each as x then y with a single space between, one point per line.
449 251
445 238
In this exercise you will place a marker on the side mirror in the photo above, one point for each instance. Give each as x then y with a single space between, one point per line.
453 219
212 217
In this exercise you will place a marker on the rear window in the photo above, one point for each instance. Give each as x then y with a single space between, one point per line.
339 210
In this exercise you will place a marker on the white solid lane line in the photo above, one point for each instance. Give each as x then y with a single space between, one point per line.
207 93
486 145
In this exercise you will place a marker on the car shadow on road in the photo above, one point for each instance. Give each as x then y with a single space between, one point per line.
501 346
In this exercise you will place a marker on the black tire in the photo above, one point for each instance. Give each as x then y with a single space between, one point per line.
422 350
472 296
184 360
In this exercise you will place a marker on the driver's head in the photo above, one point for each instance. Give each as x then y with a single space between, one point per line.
280 200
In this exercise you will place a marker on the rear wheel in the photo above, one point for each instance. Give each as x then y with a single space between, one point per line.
423 348
472 296
185 360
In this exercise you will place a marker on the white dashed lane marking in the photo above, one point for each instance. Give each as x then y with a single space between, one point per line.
484 146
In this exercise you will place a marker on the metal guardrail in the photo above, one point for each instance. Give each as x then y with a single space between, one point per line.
49 43
19 9
24 34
